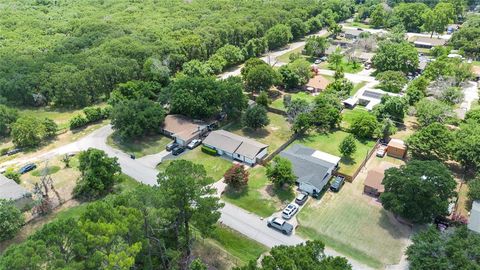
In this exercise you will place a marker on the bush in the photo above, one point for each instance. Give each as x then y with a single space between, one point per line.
93 114
236 177
208 150
78 121
11 221
4 151
13 175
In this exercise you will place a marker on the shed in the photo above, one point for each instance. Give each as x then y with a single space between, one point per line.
474 219
373 183
396 148
316 84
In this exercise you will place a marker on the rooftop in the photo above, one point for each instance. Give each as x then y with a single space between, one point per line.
474 220
318 82
397 143
10 190
182 127
428 41
375 176
233 143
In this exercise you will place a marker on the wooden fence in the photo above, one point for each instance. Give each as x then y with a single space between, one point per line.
350 178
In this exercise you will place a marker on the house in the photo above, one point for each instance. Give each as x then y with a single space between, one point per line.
368 98
10 190
331 49
373 183
342 42
363 57
352 33
313 168
427 42
474 219
182 129
396 148
316 84
236 147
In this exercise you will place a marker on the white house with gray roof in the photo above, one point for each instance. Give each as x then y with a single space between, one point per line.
10 190
474 220
236 147
312 167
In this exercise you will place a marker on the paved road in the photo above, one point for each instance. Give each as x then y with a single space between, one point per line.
382 31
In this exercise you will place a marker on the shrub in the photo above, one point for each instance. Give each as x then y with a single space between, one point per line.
236 177
13 175
208 150
4 151
78 121
93 114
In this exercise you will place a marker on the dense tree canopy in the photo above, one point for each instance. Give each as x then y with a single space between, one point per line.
394 56
280 172
7 117
11 219
433 142
256 117
432 111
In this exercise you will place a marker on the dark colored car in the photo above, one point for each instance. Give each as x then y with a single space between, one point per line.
13 151
280 225
301 198
27 168
177 150
337 183
171 146
132 156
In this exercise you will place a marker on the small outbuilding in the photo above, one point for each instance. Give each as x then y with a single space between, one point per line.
396 148
10 190
427 42
316 84
373 183
474 219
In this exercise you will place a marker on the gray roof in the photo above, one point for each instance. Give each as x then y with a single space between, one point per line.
10 190
233 143
474 220
352 32
307 166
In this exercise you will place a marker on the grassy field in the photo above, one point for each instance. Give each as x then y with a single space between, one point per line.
410 127
278 103
214 165
329 143
347 66
348 115
275 134
359 24
141 147
284 58
259 197
354 225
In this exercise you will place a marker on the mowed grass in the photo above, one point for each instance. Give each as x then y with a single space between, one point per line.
285 58
274 135
347 66
142 147
354 225
330 142
214 165
278 103
348 115
259 196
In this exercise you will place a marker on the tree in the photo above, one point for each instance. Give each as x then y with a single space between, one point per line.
8 116
297 107
467 145
280 172
290 80
348 146
302 68
11 220
262 99
473 115
334 29
10 173
474 189
93 114
136 118
315 46
50 127
256 117
302 123
236 177
364 125
395 56
98 174
325 114
454 249
254 48
336 59
194 68
278 36
308 256
433 142
410 15
340 87
197 264
431 111
378 18
27 131
232 54
186 186
392 81
418 191
386 128
77 121
298 28
155 70
416 90
258 76
436 20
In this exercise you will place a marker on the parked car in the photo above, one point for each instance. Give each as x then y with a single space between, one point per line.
337 183
194 143
289 211
301 198
280 225
382 149
318 61
13 151
2 170
178 150
27 168
132 156
171 146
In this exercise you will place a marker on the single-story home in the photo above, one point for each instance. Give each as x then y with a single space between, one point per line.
364 57
373 183
331 49
316 84
368 98
10 190
236 147
182 129
396 148
351 33
312 167
427 42
474 219
343 43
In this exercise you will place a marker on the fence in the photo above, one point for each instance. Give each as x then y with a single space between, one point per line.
350 178
280 149
276 111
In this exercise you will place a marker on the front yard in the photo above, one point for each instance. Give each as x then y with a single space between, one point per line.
259 197
214 165
278 103
329 143
274 135
141 147
355 224
346 66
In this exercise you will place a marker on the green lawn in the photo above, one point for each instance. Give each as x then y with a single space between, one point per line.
214 165
259 196
275 134
348 116
141 147
348 67
359 24
357 87
278 103
329 143
285 57
354 225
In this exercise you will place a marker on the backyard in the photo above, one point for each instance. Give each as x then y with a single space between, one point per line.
345 65
214 165
141 147
329 143
355 224
274 135
278 103
349 114
259 197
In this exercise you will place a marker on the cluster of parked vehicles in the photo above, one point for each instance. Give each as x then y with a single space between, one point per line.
177 149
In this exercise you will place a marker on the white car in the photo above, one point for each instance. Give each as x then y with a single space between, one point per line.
318 61
194 143
289 211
